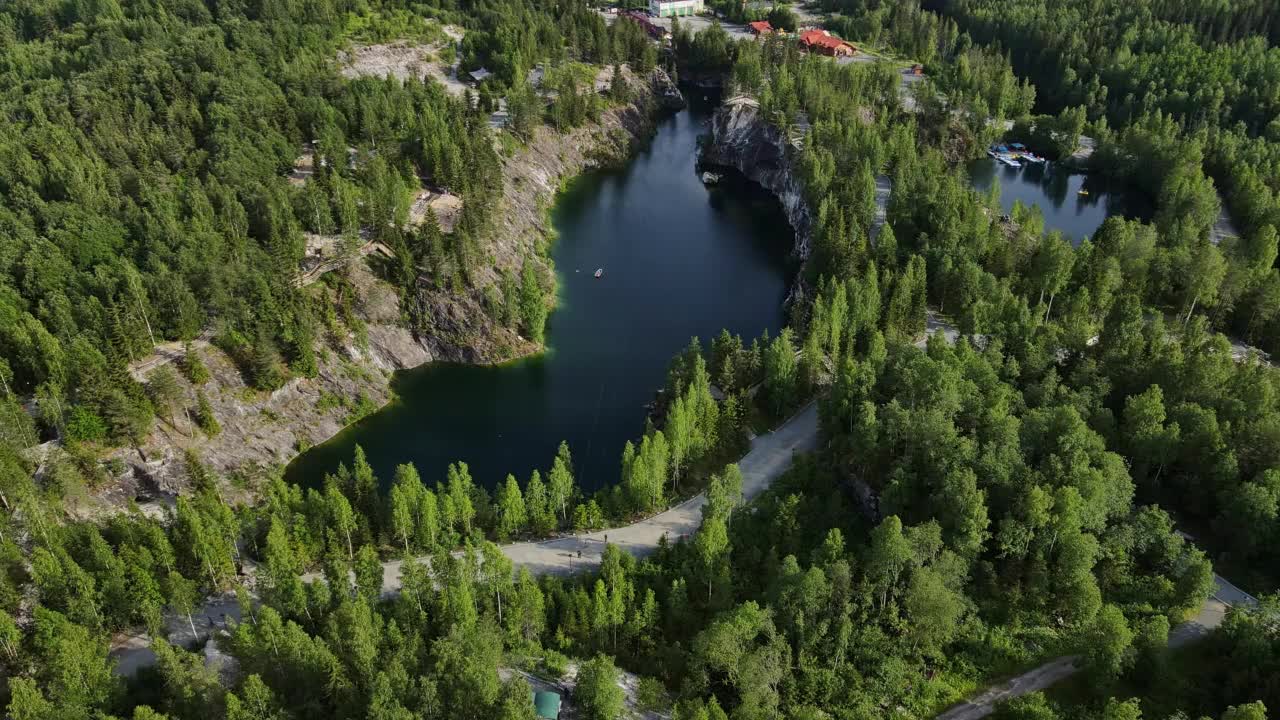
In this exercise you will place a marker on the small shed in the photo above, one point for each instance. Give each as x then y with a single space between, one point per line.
760 27
479 75
547 705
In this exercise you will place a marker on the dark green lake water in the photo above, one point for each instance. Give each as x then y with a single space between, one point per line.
680 260
1056 191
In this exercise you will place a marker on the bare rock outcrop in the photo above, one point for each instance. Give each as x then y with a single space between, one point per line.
665 91
261 430
742 139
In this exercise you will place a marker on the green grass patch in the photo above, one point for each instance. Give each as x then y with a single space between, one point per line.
379 26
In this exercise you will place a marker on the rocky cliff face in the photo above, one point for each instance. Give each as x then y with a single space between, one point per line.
260 430
263 430
666 92
741 139
460 328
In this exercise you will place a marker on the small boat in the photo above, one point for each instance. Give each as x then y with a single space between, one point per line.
710 178
599 272
1082 191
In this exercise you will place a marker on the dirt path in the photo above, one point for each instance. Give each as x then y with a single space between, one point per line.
769 457
1210 616
165 353
1030 681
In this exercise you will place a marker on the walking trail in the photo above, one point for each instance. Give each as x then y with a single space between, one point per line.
1210 616
769 457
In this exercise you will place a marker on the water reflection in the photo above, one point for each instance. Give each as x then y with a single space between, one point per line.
1057 192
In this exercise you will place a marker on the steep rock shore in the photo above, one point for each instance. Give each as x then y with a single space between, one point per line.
743 140
460 329
261 430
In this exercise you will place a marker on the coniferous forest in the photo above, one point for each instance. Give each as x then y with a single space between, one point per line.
1062 477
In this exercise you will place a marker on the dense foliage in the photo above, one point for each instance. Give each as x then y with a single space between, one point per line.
143 194
1180 93
996 275
978 503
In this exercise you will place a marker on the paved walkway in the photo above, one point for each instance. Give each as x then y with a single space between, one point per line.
1210 616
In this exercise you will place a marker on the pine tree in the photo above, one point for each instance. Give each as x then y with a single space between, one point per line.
401 512
542 518
364 490
511 509
369 574
192 366
459 489
265 369
204 415
341 517
282 588
428 521
780 372
560 482
533 305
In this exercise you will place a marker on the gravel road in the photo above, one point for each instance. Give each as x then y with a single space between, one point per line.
1210 616
769 457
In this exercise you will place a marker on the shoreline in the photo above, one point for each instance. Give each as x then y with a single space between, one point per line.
262 431
415 431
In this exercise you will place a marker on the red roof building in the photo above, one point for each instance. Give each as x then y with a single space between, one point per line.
760 27
657 32
823 42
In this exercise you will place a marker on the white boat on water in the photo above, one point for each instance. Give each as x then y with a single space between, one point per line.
599 272
1009 161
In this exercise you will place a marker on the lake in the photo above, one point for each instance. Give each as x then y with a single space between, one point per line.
680 260
1056 190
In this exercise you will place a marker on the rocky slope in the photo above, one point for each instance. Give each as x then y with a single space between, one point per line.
262 430
741 139
460 329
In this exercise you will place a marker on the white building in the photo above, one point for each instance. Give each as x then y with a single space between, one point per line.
673 8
